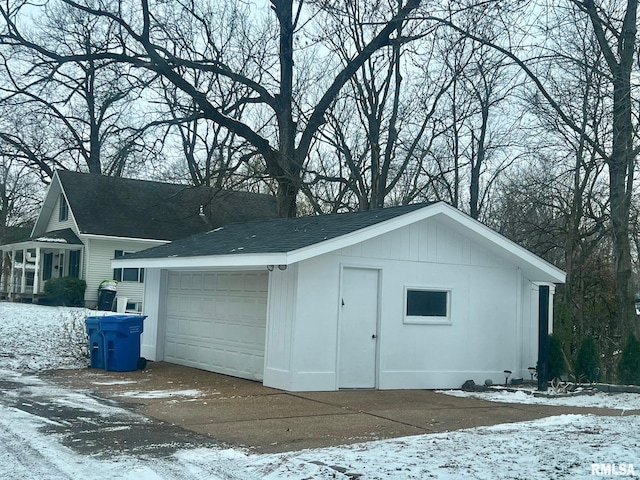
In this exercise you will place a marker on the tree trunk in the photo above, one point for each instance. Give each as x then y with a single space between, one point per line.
621 161
620 178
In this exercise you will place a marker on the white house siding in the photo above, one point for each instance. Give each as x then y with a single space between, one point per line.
152 338
483 339
56 224
280 327
100 252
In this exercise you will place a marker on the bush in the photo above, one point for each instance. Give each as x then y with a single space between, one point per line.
67 291
629 365
588 361
557 365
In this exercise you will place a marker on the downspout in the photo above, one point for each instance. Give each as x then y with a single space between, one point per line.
543 336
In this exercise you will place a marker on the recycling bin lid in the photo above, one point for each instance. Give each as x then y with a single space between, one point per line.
122 323
122 318
108 285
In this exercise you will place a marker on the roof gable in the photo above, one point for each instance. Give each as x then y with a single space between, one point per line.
122 207
290 240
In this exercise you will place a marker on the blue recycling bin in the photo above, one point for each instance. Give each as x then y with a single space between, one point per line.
96 341
121 335
114 342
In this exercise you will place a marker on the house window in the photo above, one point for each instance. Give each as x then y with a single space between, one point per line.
427 305
47 266
74 263
60 266
63 214
127 274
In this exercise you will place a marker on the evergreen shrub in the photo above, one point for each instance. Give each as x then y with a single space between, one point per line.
67 291
629 364
588 361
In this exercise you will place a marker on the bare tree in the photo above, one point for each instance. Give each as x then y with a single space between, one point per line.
614 26
86 104
381 129
149 41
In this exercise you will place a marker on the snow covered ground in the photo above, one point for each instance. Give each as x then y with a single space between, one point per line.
34 338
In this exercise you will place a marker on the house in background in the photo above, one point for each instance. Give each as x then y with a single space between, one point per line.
411 297
87 220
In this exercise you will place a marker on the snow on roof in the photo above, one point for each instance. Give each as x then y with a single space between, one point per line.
50 240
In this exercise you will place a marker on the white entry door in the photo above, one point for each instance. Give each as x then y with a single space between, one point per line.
358 328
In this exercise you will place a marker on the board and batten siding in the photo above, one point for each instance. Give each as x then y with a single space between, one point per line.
99 253
281 316
484 337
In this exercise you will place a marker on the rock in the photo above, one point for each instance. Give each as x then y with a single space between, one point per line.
469 386
488 382
516 381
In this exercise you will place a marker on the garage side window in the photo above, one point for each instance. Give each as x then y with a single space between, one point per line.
127 274
427 305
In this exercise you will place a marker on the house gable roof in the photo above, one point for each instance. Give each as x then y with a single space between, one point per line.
122 207
290 240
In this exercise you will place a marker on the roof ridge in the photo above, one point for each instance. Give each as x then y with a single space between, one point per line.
155 182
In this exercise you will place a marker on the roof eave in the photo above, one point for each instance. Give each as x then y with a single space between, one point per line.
200 262
129 239
27 244
544 271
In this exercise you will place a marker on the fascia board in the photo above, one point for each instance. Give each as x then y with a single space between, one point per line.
439 209
195 263
34 243
19 246
155 241
46 210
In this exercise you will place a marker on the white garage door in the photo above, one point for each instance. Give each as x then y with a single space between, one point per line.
216 321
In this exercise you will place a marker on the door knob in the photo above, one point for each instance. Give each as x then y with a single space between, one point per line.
373 336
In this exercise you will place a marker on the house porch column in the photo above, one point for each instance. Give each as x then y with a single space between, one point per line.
36 274
23 280
11 286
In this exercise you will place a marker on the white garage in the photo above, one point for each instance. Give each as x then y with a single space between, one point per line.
217 321
416 296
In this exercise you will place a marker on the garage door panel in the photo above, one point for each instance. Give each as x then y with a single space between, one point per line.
217 321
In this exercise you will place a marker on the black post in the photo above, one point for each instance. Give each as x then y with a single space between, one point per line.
543 337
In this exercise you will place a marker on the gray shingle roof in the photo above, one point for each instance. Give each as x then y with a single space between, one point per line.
273 236
125 207
65 236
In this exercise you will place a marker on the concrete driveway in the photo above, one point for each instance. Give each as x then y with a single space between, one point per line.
240 412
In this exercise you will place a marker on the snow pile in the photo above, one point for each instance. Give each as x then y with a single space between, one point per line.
564 446
161 393
37 337
616 401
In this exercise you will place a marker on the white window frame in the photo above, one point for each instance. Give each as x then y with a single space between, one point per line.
426 320
140 275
